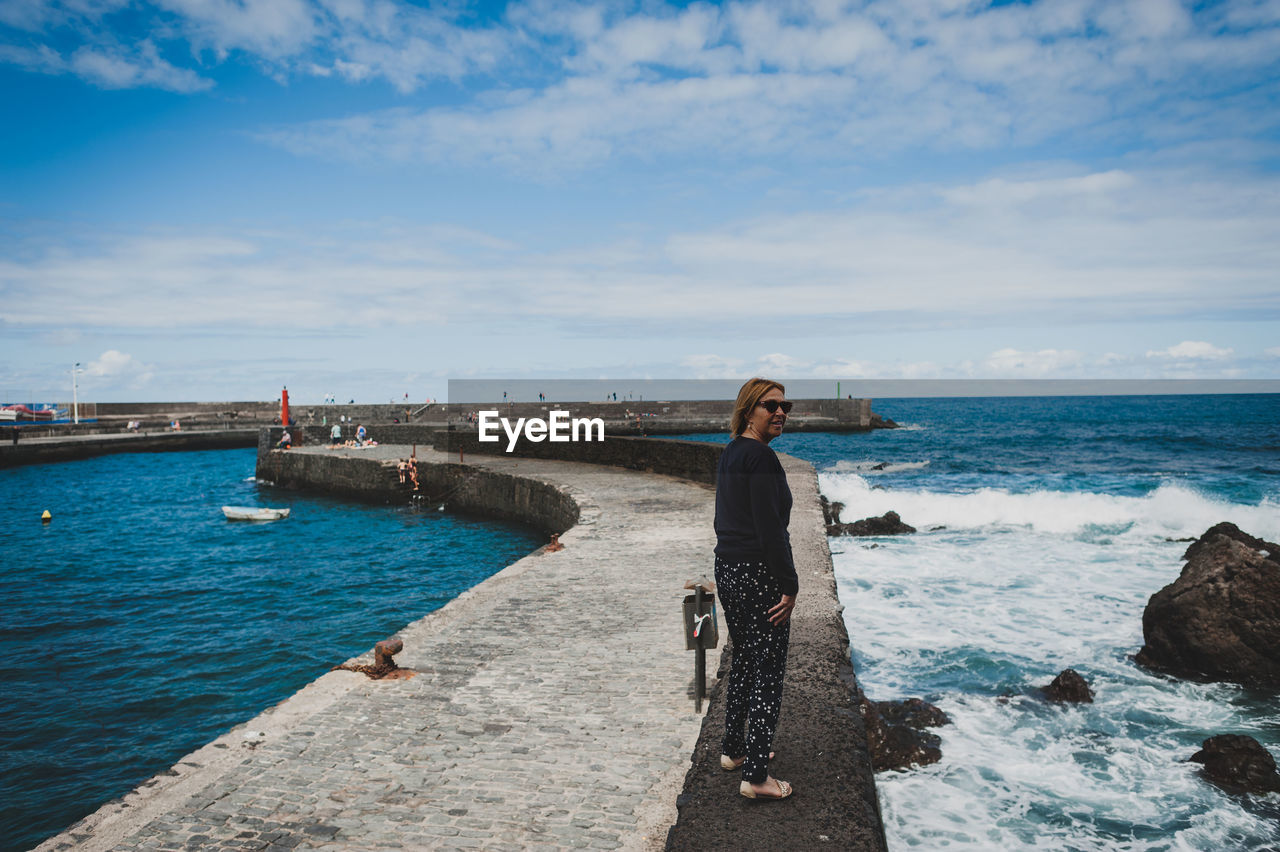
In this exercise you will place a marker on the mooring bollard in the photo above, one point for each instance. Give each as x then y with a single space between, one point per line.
383 668
701 632
385 650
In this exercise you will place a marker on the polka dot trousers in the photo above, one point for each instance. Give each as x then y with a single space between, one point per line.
747 592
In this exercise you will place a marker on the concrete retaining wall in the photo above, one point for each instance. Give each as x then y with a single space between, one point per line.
458 487
692 460
43 451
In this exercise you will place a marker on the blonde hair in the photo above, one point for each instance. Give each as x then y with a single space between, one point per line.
749 397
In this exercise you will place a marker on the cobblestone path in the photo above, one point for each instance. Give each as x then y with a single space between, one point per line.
551 708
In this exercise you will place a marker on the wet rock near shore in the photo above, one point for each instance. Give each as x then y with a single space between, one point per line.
1220 620
1238 764
1068 687
1267 549
831 510
887 524
897 732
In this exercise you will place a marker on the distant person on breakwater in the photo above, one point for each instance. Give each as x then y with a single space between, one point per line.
335 434
361 434
286 440
756 579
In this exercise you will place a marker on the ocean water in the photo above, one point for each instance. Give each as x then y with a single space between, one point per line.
140 624
1044 527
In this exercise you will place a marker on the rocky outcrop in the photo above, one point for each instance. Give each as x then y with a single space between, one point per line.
887 524
1269 549
1238 764
831 510
1068 686
897 735
1220 620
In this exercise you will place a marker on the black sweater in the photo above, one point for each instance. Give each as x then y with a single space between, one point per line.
753 509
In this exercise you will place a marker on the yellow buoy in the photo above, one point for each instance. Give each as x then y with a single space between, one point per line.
46 517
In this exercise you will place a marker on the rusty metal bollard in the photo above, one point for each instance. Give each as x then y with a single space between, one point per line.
383 668
385 650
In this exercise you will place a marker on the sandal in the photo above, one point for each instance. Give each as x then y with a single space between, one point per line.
728 764
745 789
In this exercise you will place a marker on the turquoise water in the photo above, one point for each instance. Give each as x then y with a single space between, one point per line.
1045 524
140 624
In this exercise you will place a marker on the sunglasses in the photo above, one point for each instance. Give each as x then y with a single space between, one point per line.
772 405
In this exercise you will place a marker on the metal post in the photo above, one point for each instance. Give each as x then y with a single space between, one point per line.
700 661
75 396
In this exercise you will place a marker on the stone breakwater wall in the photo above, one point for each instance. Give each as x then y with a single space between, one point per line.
70 448
460 487
692 460
551 704
822 738
658 415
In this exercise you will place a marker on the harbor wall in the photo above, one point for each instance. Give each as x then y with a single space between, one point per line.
820 709
455 486
692 460
70 448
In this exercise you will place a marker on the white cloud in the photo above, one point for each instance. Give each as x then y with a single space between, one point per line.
712 367
1274 351
1192 350
142 66
1045 362
586 121
110 363
911 257
114 368
779 364
268 29
556 84
765 77
111 67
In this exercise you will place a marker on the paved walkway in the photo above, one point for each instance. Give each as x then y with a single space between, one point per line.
551 709
821 741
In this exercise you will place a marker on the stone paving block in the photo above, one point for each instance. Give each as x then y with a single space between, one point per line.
533 719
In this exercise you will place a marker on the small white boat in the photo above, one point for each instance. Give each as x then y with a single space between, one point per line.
253 513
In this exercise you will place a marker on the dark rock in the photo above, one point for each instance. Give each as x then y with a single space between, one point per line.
1269 549
915 712
1238 764
831 510
1069 686
887 524
1220 620
896 733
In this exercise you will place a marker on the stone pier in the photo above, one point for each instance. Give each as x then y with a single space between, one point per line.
550 706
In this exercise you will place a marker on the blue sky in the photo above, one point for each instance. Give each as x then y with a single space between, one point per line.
208 199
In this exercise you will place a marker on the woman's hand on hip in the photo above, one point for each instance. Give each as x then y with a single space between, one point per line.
781 612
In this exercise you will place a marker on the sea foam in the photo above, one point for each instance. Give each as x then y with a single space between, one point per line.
1174 509
975 617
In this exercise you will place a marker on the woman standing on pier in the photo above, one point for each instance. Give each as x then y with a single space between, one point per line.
756 579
